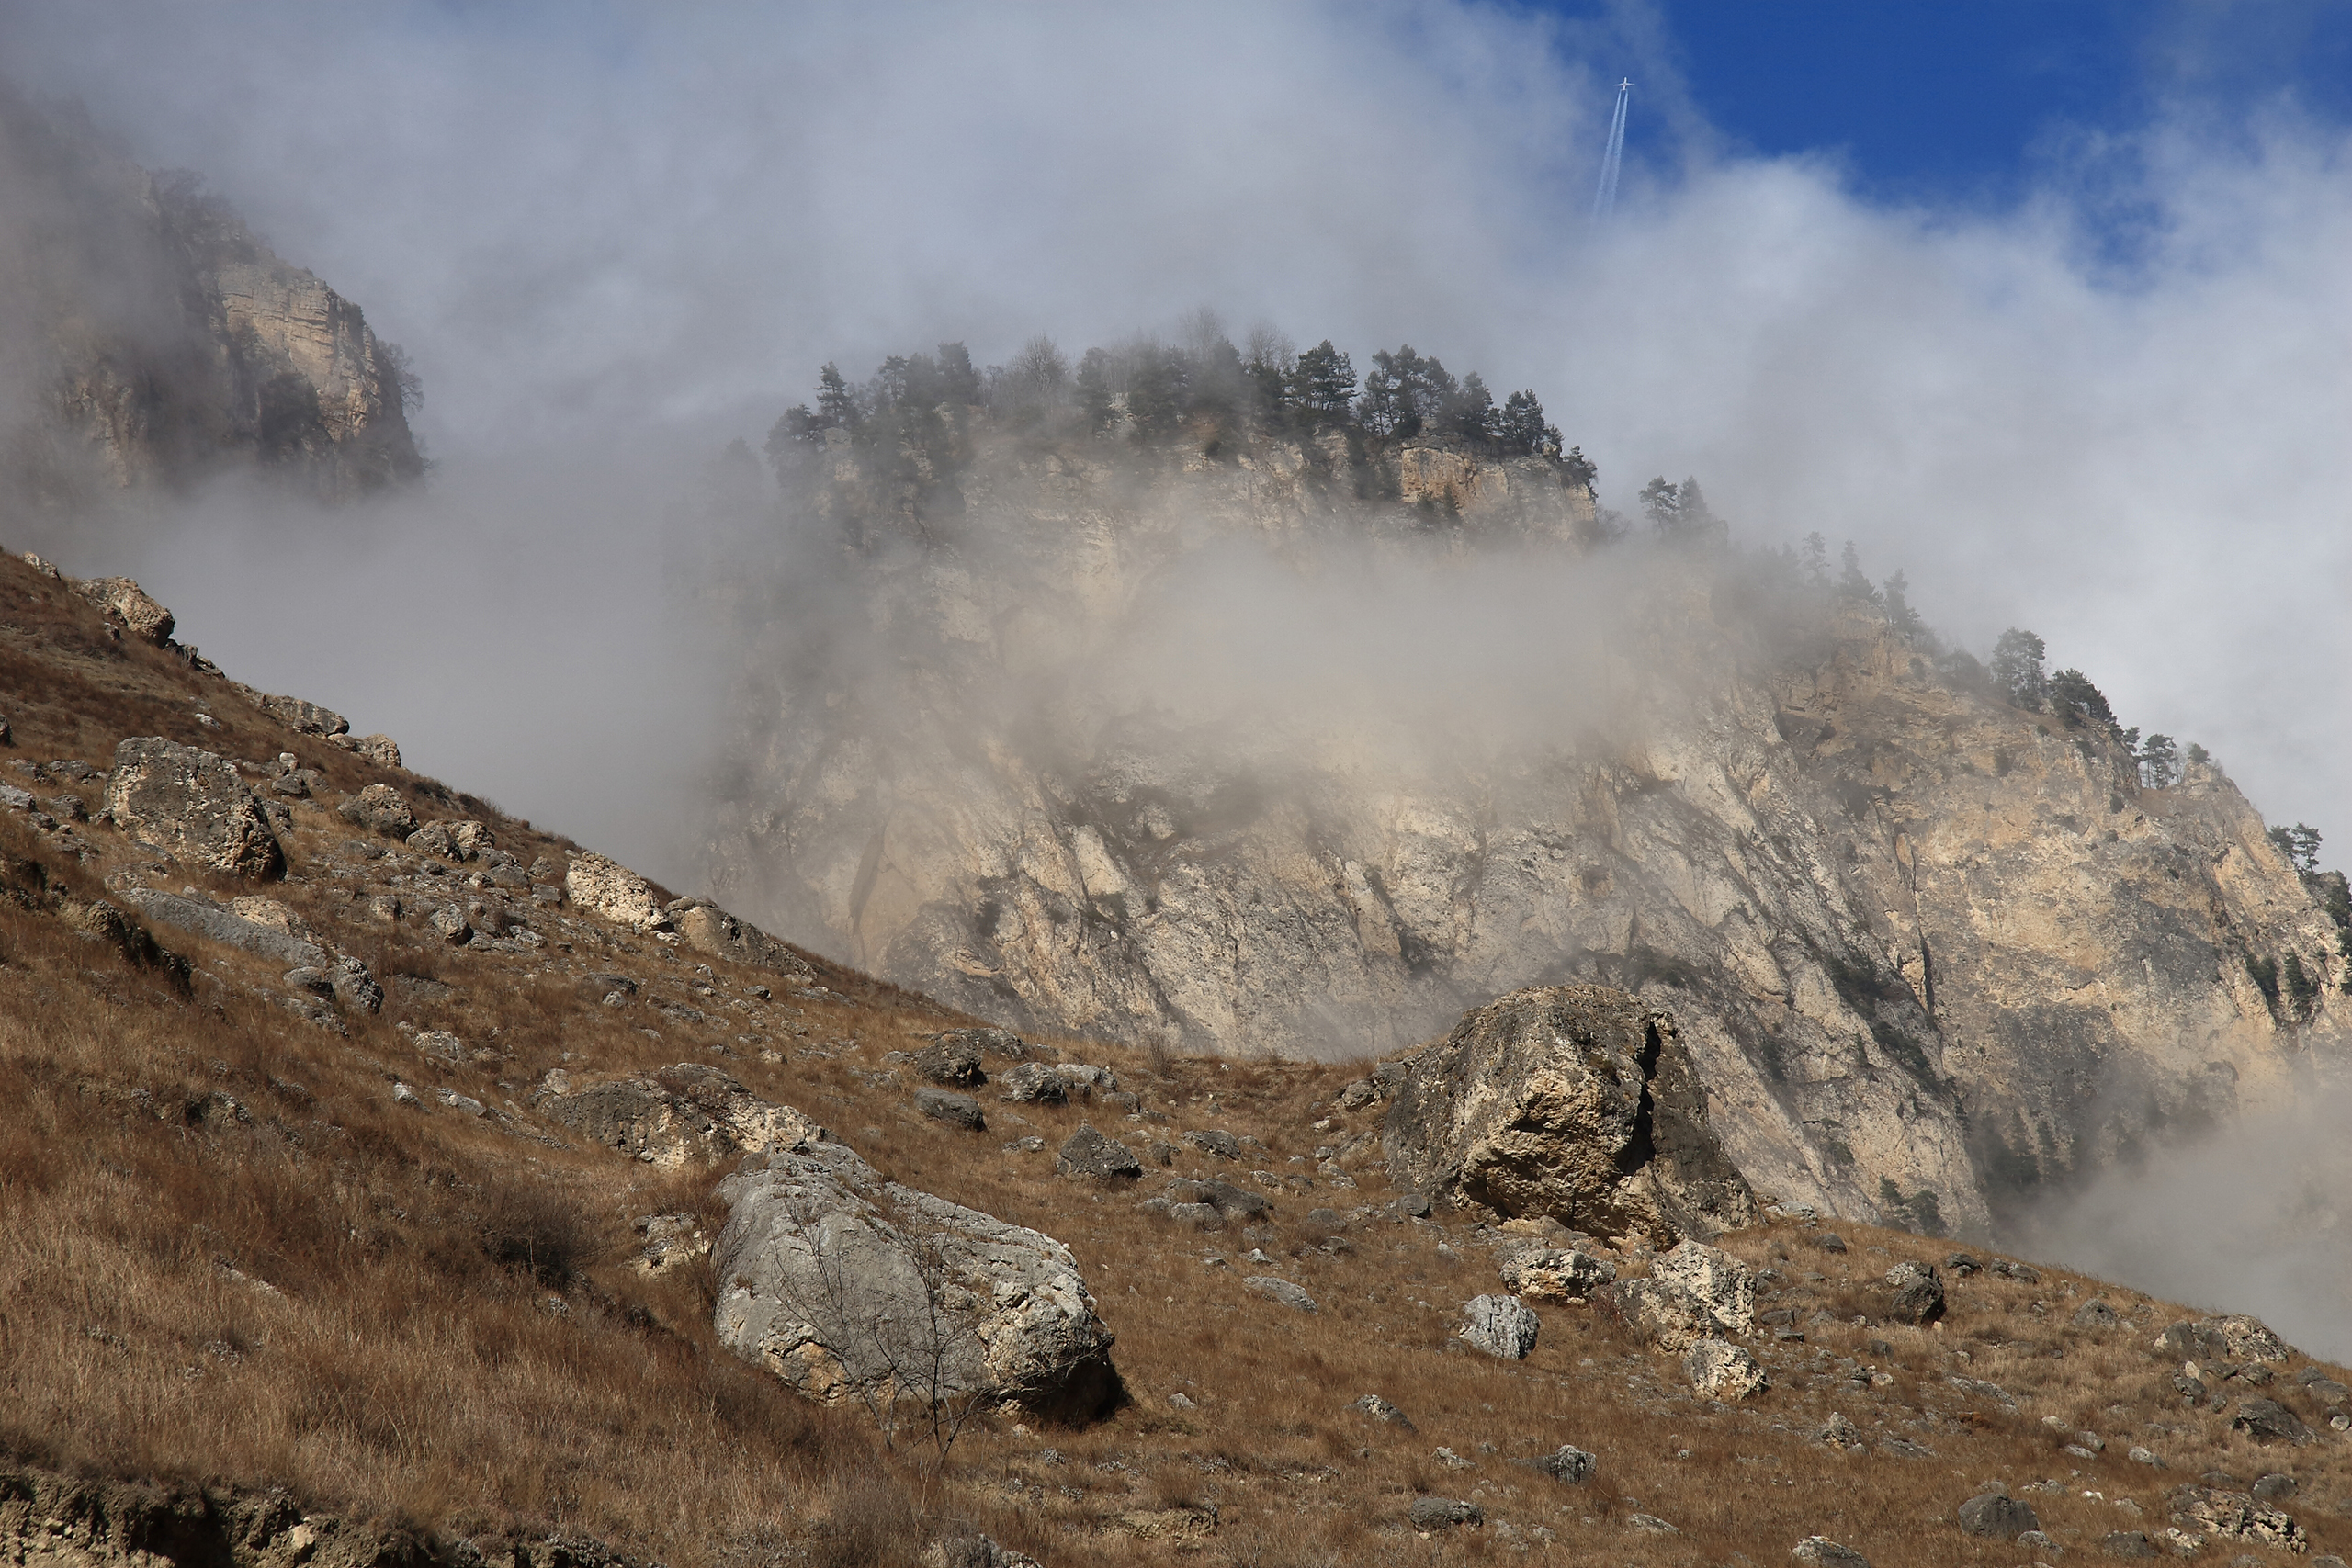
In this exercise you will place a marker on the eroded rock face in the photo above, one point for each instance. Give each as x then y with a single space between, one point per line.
1556 1274
1572 1101
847 1286
710 928
146 620
1721 1369
193 807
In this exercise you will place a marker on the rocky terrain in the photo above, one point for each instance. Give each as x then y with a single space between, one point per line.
155 340
391 1181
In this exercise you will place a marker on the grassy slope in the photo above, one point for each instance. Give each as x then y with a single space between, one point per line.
232 1258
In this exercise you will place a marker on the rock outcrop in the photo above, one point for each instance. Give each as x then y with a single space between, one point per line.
175 344
1930 953
847 1286
192 805
1576 1102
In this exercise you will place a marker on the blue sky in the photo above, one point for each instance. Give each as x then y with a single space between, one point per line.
1945 101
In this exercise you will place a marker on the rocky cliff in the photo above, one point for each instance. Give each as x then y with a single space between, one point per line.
153 339
1930 953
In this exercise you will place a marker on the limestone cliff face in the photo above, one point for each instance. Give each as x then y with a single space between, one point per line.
1927 951
155 340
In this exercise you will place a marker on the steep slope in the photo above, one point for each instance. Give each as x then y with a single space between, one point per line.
1930 953
152 339
435 1284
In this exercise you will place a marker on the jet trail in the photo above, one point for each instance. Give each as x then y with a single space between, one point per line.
1604 200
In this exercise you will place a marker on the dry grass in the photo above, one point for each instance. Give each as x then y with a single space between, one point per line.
233 1257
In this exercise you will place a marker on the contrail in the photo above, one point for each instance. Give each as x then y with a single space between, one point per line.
1604 200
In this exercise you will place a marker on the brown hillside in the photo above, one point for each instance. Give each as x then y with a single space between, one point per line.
261 1244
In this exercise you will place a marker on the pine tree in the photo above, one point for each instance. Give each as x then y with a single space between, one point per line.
2016 667
1094 383
1326 384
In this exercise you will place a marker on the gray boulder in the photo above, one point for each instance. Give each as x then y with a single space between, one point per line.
2128 1543
2232 1514
378 808
1996 1516
2095 1314
209 920
711 930
849 1287
952 1061
1033 1083
193 807
1215 1141
1503 1326
355 988
1556 1274
1088 1154
1444 1513
305 718
1575 1101
1233 1202
2233 1338
1281 1292
1820 1551
683 1113
380 749
2267 1421
1571 1465
956 1109
1915 1294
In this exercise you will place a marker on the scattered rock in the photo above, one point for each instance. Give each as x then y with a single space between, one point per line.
1649 1524
686 1112
2271 1487
1283 1292
1358 1095
848 1286
378 808
1444 1513
1996 1516
1575 1101
2233 1516
973 1551
1555 1274
2267 1420
1571 1465
1215 1141
1830 1240
1962 1265
1233 1202
1916 1293
450 923
956 1109
1088 1154
2144 1456
1503 1326
711 930
2128 1543
193 807
1822 1553
2233 1338
1380 1410
1033 1083
952 1061
1840 1433
1721 1369
2095 1314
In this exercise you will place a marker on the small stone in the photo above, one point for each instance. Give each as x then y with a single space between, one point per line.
1033 1083
1215 1141
1572 1466
1178 1401
1840 1433
1822 1553
2129 1543
2143 1456
2267 1420
1281 1292
2095 1314
1830 1240
1380 1410
952 1059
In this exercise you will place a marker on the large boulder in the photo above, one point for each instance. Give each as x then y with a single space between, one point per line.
849 1287
378 808
2236 1338
1719 1282
304 719
1721 1369
611 891
147 620
211 921
1091 1156
1575 1101
1996 1516
686 1112
193 807
2233 1516
1914 1292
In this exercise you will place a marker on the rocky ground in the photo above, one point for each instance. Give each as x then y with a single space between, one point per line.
390 1180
